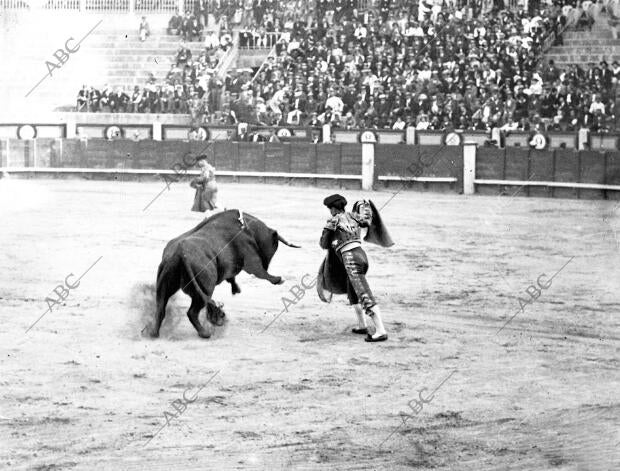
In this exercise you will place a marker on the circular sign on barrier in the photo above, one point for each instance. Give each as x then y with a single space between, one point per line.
198 134
368 137
452 139
113 132
26 131
538 141
283 132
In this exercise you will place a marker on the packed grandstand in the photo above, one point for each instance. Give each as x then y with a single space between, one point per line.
389 64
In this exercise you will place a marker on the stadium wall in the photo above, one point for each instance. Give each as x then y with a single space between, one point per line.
520 171
170 127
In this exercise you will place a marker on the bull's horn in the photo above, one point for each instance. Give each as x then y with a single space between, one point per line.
284 241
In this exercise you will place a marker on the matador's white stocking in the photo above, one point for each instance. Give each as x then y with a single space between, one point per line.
375 316
361 319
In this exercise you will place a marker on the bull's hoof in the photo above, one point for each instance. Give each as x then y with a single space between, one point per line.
236 290
278 280
204 334
150 332
215 314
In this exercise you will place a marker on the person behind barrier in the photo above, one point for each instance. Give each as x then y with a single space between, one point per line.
206 187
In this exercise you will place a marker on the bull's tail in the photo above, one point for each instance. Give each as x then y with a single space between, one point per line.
195 281
286 242
203 289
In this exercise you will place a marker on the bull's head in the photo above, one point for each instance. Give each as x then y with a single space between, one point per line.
266 238
269 250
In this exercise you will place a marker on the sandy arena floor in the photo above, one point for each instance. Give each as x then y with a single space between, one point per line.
82 389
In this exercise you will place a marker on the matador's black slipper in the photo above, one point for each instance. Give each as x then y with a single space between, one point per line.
381 338
357 330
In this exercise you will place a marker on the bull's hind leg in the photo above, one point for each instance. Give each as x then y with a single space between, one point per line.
192 313
234 287
165 289
159 317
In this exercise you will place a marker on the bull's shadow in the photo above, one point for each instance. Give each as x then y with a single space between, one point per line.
215 250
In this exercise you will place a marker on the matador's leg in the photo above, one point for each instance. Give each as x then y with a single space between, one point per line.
365 297
362 328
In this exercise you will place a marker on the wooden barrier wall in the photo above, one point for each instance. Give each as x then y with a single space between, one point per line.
435 161
291 157
391 160
550 166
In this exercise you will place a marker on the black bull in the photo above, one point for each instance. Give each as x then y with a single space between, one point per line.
217 249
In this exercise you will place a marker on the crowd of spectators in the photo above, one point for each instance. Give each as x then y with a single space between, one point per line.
433 64
270 18
193 27
191 86
433 68
226 14
151 98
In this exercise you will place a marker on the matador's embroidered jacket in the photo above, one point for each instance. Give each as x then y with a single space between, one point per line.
342 233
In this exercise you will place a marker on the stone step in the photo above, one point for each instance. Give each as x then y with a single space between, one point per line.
155 32
116 49
159 52
142 44
107 56
122 66
138 59
582 59
594 34
591 42
111 56
119 43
576 51
135 41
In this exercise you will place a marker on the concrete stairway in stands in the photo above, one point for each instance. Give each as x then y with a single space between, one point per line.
583 47
110 55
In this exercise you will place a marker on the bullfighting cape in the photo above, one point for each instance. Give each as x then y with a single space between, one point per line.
332 276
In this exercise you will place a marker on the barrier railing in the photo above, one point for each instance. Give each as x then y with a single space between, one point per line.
14 5
156 6
365 4
255 40
100 6
62 5
107 5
